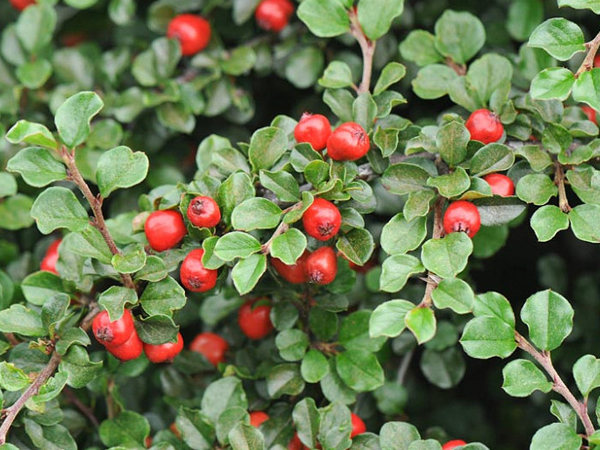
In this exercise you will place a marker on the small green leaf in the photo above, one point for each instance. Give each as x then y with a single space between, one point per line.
447 257
289 246
586 372
552 83
452 140
522 377
419 47
57 207
485 337
491 158
397 435
561 437
114 300
256 214
267 145
452 184
360 370
126 429
282 184
335 428
248 271
547 221
404 178
163 297
12 378
585 222
324 19
455 294
536 188
388 318
120 168
390 74
493 304
196 428
459 35
445 369
37 166
236 245
399 236
560 37
307 419
314 366
21 320
39 286
422 323
433 81
157 329
284 379
357 245
31 133
246 437
35 27
73 117
337 75
376 16
130 260
292 344
223 394
77 365
523 17
581 4
396 270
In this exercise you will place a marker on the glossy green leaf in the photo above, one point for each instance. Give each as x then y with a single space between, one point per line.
120 167
376 16
444 369
359 370
447 257
163 297
486 337
547 221
522 378
399 236
128 428
433 81
560 37
314 366
419 46
256 213
37 166
459 35
337 75
421 321
357 245
307 418
552 83
31 133
73 117
324 19
491 158
523 17
452 140
284 379
556 436
396 270
246 437
586 372
455 294
248 271
585 222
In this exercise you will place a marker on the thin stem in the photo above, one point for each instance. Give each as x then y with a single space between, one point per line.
84 409
558 385
403 369
367 48
282 228
588 61
432 279
559 180
460 69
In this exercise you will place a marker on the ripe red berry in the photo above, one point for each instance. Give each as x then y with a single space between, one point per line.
358 426
314 129
453 444
589 112
22 4
212 346
462 216
294 273
501 185
322 219
113 333
164 229
164 352
258 417
194 276
204 212
597 61
192 32
484 126
321 266
51 257
254 321
348 142
132 348
273 15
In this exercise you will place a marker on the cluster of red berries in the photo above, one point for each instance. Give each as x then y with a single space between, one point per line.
348 142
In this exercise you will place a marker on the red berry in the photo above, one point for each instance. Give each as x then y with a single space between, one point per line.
113 333
254 321
164 352
597 61
148 441
204 212
296 443
164 229
462 216
192 32
132 348
22 4
322 219
314 129
589 112
258 417
358 426
211 345
484 126
348 142
321 266
194 276
453 444
51 257
501 185
294 273
273 15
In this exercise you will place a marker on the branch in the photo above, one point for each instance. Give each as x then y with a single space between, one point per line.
559 180
367 48
588 61
432 279
558 385
282 228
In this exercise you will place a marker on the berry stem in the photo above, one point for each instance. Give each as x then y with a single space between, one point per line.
367 48
559 180
588 62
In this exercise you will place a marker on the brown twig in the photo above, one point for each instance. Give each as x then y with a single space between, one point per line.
84 409
367 48
588 62
282 228
559 181
432 279
460 69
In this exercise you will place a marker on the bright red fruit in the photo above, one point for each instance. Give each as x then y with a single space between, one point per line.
254 321
113 333
211 345
314 129
484 126
348 142
321 266
51 257
22 4
194 276
294 273
273 15
597 61
589 112
501 185
192 32
453 444
258 417
462 216
358 426
164 352
204 212
322 219
132 348
164 229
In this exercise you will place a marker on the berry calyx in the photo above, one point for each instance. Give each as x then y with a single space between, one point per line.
132 348
211 345
194 276
193 33
589 112
204 212
453 444
314 129
51 257
462 216
358 426
273 15
22 4
294 273
258 417
164 229
348 142
322 219
501 185
484 126
113 333
321 266
255 321
164 352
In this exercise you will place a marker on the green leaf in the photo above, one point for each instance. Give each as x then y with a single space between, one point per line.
223 394
419 46
114 300
495 211
360 370
128 429
445 369
307 419
39 286
233 191
324 19
314 366
491 158
552 83
228 420
447 257
455 294
388 318
304 66
452 184
452 140
523 17
364 111
131 259
585 222
390 74
21 320
73 117
490 76
77 365
581 4
163 297
404 178
433 81
376 16
158 63
154 270
336 425
284 379
522 378
256 214
37 166
239 61
196 428
246 437
8 185
547 221
35 27
282 184
248 271
31 133
564 413
53 437
15 212
88 243
586 372
289 246
560 37
397 435
387 140
236 245
120 168
12 378
337 75
493 304
57 207
536 188
292 344
34 74
396 270
157 329
549 317
556 436
357 245
485 337
354 333
421 321
400 236
71 337
459 35
267 145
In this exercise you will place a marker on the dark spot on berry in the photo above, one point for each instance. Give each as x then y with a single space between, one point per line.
316 276
197 206
195 282
461 227
325 229
105 334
